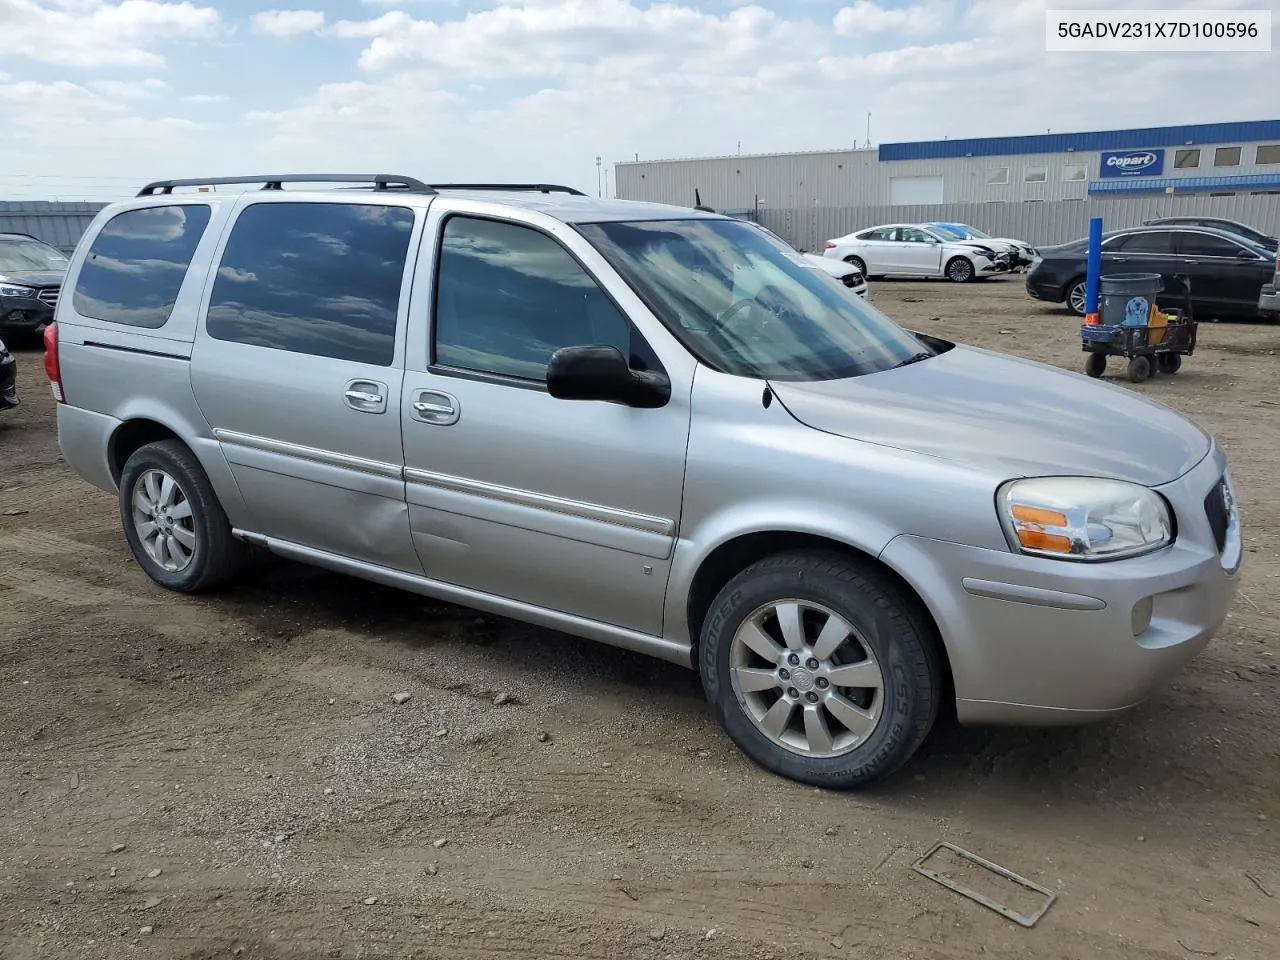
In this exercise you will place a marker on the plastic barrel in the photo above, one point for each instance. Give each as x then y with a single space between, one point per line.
1125 299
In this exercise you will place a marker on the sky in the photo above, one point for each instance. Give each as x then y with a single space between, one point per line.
97 98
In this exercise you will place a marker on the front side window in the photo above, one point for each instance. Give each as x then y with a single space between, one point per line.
1159 241
509 296
23 254
316 278
915 235
746 305
137 262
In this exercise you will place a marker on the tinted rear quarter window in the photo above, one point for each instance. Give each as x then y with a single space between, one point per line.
1204 245
137 262
321 279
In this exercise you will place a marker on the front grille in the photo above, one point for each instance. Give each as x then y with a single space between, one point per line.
48 296
1218 510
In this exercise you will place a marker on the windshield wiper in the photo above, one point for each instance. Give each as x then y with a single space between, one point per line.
915 358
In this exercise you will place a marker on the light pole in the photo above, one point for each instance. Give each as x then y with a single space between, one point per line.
599 173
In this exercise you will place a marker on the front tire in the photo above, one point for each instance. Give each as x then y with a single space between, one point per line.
1095 365
819 670
1139 368
172 519
1077 296
960 270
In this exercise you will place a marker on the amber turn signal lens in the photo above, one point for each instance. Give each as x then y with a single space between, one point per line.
1046 518
1039 540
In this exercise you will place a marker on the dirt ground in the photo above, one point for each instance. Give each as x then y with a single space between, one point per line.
229 775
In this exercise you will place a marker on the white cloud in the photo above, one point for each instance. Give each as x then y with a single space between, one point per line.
537 90
88 34
287 23
867 17
129 89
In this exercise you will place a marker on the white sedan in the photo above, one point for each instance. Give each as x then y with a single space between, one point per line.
846 273
912 250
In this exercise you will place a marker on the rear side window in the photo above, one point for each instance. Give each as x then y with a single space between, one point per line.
1206 245
315 278
137 262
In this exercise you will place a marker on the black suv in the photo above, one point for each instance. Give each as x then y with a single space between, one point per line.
31 273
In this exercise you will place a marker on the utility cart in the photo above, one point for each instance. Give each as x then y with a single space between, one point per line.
1132 326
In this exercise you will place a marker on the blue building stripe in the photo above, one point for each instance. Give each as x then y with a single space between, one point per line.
1256 181
1244 131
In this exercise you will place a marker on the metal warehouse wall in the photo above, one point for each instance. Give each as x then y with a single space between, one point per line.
838 177
846 178
59 224
1037 223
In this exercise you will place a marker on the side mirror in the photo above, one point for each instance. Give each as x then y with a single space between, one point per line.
599 372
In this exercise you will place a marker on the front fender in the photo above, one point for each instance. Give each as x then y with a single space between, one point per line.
841 524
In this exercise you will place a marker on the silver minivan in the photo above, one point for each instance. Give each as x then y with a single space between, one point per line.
646 425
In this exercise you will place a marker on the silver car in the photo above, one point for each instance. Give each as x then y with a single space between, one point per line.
648 426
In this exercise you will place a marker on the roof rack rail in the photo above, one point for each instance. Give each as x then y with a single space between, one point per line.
511 187
381 181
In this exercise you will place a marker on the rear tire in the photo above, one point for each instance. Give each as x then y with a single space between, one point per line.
172 519
1095 365
858 264
1169 362
960 270
819 670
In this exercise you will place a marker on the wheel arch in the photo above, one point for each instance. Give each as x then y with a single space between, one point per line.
732 556
137 428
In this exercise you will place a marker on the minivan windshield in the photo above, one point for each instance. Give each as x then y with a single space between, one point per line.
746 304
25 254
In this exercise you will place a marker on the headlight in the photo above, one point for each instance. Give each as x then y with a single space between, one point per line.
1083 518
18 292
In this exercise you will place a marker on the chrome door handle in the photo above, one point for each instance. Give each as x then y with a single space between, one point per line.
365 396
423 407
435 407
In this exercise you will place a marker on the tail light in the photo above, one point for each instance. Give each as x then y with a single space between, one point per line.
831 245
51 368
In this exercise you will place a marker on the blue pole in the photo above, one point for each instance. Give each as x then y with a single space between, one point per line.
1094 270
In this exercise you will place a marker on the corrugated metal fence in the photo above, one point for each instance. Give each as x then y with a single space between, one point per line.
59 224
62 224
1037 223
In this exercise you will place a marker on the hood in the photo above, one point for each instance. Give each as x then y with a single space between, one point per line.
1006 415
837 268
33 278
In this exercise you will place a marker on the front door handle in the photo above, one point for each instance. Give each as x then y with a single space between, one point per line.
435 407
366 396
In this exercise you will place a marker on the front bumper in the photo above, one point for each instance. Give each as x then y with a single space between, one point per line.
1269 298
25 314
8 381
991 268
1040 641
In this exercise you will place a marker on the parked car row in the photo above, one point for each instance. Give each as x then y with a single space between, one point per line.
1234 270
952 251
